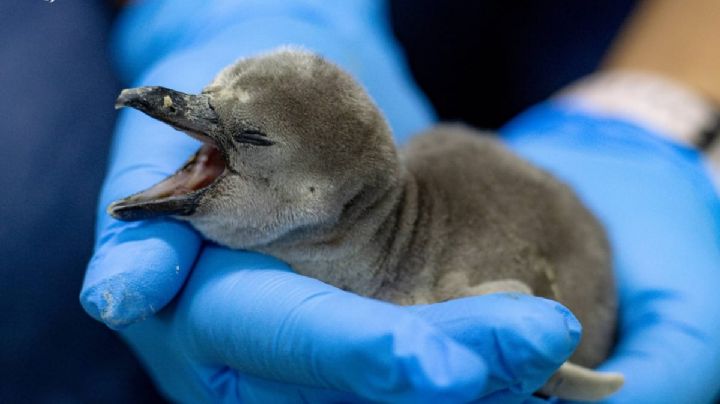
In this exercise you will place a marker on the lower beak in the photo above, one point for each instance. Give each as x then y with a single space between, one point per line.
133 208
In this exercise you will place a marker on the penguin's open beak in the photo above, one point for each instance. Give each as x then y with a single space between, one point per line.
180 193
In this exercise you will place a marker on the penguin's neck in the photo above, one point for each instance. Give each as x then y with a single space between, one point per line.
367 249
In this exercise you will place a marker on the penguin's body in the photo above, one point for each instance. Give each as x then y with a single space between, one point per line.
466 217
298 163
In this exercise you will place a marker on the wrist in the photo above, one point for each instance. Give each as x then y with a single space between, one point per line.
653 102
557 131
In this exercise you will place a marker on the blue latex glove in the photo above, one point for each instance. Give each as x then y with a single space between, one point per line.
245 327
245 314
663 218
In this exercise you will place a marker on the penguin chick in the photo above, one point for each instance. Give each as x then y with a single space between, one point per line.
297 162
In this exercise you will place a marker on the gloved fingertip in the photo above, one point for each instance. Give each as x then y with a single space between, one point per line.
540 341
136 270
552 334
547 327
114 303
572 325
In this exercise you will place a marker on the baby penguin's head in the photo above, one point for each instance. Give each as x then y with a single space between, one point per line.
289 142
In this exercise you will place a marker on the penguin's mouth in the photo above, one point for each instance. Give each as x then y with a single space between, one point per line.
180 193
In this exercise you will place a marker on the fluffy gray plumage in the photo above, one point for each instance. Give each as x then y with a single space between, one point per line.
300 164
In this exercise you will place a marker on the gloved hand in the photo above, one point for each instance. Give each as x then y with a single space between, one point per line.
244 326
248 329
663 218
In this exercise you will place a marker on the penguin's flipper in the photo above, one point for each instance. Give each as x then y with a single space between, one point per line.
574 382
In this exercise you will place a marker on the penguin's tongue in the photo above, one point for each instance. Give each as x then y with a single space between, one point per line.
201 170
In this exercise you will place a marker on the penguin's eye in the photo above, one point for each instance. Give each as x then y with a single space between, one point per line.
253 137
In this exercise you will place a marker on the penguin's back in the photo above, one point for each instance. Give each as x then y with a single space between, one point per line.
500 220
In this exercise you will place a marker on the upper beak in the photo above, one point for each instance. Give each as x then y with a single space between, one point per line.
190 113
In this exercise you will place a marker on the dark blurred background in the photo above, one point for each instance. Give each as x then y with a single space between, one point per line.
56 118
483 62
479 61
